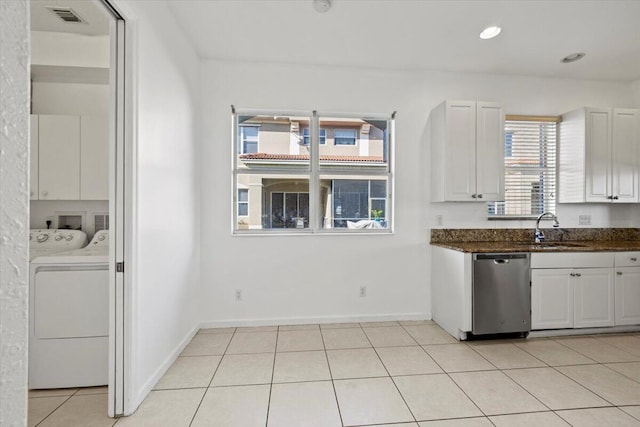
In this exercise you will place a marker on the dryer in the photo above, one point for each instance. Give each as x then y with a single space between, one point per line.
69 317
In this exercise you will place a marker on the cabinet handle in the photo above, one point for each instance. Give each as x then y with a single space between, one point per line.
610 197
572 274
479 196
615 197
619 273
634 259
474 196
579 274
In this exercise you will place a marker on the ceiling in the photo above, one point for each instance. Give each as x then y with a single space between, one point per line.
423 35
42 19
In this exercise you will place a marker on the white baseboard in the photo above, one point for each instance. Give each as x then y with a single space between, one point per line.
314 320
146 388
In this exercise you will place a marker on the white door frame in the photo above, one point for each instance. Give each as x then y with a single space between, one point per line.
121 196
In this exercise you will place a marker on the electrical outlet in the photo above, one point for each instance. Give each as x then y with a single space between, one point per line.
584 220
238 295
363 291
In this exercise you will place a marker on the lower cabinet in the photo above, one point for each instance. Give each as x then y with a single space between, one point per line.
572 298
593 298
627 291
551 298
565 294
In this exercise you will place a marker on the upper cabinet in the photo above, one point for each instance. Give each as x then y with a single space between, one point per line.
467 152
94 158
69 157
59 157
599 156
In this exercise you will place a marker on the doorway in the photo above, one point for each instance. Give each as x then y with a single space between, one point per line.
78 176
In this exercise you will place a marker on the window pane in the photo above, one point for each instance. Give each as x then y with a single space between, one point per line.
272 141
530 170
354 142
243 202
348 203
273 201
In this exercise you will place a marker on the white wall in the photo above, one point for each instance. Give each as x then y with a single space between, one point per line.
14 210
70 98
636 93
167 225
65 49
316 278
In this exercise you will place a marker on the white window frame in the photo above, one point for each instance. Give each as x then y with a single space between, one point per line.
306 136
355 137
251 139
315 171
243 202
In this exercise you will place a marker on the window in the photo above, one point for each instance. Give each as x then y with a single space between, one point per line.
344 137
243 202
303 185
530 168
249 139
306 138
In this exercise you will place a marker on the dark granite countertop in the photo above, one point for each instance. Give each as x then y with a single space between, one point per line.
521 240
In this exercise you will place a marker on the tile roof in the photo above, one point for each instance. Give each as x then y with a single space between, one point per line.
305 157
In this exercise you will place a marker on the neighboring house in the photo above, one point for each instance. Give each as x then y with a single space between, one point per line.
281 200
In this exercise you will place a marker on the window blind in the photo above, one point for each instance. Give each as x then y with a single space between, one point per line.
530 168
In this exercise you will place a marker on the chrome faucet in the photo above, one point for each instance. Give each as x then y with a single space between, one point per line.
539 236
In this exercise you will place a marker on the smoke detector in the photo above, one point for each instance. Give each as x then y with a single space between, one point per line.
322 6
67 15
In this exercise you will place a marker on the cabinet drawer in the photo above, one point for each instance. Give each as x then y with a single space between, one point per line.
627 259
572 260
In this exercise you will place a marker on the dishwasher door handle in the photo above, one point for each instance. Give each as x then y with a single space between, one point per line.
501 261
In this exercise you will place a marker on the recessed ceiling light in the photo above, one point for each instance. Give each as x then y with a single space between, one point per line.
322 6
573 57
490 32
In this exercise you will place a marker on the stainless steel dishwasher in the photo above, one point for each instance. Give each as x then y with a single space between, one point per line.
501 293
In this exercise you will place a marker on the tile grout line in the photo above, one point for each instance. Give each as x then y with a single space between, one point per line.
333 385
273 368
56 408
390 377
206 390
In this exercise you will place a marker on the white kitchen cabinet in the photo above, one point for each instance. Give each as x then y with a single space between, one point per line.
59 157
599 156
551 298
593 297
33 153
467 151
627 288
94 158
572 290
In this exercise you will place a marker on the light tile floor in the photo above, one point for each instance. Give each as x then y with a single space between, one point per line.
379 373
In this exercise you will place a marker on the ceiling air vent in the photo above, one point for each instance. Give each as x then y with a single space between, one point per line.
66 14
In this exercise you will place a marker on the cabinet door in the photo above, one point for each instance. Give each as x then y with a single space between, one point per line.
627 296
625 145
489 151
59 157
94 158
598 155
551 298
33 170
460 168
593 297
